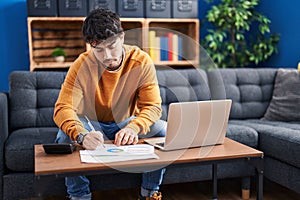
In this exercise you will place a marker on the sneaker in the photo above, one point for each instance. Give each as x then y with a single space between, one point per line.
155 196
84 197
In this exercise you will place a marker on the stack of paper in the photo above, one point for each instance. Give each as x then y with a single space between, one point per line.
112 153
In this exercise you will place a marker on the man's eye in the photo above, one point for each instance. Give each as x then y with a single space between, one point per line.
112 46
99 50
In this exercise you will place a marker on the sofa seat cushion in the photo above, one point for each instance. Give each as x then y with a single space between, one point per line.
19 153
291 125
282 144
279 141
243 134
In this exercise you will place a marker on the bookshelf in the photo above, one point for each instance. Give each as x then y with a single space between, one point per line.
186 29
46 33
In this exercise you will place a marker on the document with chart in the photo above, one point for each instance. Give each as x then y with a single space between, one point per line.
112 153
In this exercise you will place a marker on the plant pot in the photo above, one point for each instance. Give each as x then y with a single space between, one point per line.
59 58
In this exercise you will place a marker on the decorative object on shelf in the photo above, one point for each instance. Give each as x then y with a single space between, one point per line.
241 36
59 54
157 9
131 8
42 8
184 9
107 4
72 8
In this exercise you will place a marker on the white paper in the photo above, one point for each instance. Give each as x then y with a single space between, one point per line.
112 153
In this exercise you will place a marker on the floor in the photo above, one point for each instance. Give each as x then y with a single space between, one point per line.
228 189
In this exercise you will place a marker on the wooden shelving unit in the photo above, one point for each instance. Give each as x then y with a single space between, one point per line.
187 29
46 33
134 29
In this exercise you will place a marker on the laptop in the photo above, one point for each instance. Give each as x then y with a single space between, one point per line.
194 124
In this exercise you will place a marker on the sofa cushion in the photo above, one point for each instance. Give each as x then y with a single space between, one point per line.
19 154
291 125
250 90
279 141
32 97
282 144
181 86
243 134
285 103
282 173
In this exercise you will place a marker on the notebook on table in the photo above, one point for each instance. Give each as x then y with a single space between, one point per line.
194 124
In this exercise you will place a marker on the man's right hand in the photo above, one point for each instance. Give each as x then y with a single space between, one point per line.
92 140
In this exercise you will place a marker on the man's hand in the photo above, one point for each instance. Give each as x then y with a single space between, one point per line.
126 136
92 140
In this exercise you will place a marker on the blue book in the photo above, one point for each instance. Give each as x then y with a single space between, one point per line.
179 47
163 48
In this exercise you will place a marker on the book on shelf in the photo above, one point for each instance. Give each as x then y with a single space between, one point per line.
174 47
151 44
156 49
165 48
170 46
180 48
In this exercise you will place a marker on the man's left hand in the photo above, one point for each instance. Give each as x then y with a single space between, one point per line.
126 136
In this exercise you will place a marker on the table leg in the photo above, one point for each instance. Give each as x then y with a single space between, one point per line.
215 181
258 163
259 185
38 187
41 185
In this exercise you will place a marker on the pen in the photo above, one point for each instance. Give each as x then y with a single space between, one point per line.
89 123
91 126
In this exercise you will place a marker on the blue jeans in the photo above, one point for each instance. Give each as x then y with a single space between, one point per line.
79 186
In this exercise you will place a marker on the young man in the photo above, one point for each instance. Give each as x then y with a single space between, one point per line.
114 85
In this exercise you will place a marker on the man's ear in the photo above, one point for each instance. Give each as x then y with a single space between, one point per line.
122 36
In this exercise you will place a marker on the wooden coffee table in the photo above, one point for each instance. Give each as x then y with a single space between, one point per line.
57 166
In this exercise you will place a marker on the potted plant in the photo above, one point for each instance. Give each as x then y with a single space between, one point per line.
59 54
241 36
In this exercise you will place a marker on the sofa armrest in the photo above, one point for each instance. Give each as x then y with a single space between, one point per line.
3 118
3 125
3 131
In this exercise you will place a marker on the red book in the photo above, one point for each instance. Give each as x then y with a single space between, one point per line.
170 46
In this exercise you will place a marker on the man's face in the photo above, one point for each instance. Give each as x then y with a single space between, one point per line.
110 51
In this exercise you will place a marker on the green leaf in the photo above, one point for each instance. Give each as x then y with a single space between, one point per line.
239 36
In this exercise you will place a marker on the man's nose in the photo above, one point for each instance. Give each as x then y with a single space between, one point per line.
107 54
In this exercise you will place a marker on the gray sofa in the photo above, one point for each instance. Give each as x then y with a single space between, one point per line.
26 119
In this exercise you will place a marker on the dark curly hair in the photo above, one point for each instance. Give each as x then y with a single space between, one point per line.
100 25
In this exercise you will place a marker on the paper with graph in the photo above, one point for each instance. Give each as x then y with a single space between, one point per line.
112 153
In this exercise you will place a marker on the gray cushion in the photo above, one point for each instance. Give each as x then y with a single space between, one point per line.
285 103
282 173
281 142
181 86
290 125
19 154
32 97
250 90
243 134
